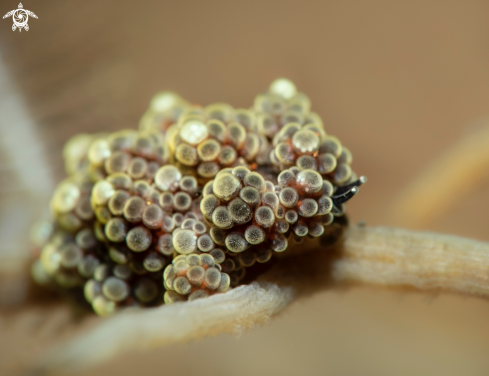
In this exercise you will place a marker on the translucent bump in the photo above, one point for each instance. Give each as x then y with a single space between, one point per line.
138 168
139 239
280 212
91 290
300 229
325 204
251 147
291 216
85 239
281 226
240 172
188 223
236 134
255 235
217 130
184 241
310 181
247 258
178 219
205 243
316 229
254 179
70 222
194 132
166 201
165 244
227 155
153 167
270 199
212 278
307 162
187 155
171 297
222 218
236 242
305 141
195 275
115 289
246 118
168 224
288 197
283 88
165 101
199 228
342 173
167 178
182 201
122 271
327 189
226 186
208 205
327 219
263 255
144 146
118 201
87 266
117 162
84 209
153 216
224 283
208 170
218 255
218 235
228 264
103 306
326 163
221 111
283 152
154 262
206 260
208 150
331 145
198 294
345 156
145 290
116 230
239 211
250 195
269 186
307 208
99 231
182 285
119 256
65 197
101 272
120 180
264 216
134 208
71 255
279 244
286 179
141 188
189 184
300 103
99 150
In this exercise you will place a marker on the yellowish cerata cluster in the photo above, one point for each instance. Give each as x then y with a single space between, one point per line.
193 203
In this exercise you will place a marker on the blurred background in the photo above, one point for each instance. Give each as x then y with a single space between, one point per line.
398 82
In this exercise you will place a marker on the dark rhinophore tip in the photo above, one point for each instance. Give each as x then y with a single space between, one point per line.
343 194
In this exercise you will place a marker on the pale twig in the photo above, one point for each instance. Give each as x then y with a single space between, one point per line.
379 255
444 182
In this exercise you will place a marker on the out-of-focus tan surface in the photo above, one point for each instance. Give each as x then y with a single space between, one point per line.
397 83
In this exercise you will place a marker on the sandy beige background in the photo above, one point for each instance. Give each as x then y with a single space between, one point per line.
397 82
